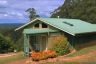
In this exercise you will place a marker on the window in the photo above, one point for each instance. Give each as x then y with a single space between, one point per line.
40 25
36 25
44 25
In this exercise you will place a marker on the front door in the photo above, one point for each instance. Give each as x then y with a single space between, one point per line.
43 42
38 42
34 44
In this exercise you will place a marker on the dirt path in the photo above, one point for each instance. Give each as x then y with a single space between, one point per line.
7 55
83 58
20 62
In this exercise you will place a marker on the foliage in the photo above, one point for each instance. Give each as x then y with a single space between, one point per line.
5 45
32 13
61 46
7 30
36 56
50 54
77 9
19 42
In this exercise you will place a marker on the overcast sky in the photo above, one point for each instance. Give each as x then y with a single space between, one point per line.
15 9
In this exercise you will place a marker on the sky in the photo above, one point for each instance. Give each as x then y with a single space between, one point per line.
15 9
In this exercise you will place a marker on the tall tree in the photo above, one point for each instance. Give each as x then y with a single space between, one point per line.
77 9
32 13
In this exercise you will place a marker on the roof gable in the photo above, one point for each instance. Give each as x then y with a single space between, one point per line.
23 26
71 26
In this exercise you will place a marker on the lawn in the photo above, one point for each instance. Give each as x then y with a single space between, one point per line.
83 51
17 57
72 63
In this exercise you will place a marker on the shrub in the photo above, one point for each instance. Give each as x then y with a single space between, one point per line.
5 45
50 54
36 56
60 45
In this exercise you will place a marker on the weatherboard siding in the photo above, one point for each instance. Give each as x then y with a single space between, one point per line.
53 38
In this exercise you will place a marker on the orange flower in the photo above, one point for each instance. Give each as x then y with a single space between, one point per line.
43 55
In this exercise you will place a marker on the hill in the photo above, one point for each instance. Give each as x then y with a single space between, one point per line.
77 9
4 26
7 30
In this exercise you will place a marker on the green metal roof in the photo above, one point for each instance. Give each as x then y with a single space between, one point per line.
71 26
34 31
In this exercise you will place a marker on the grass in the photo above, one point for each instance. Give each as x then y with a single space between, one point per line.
72 63
62 63
83 51
17 57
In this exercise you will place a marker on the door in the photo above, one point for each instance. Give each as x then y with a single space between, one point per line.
43 42
38 42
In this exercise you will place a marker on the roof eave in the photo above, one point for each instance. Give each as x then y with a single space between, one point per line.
86 32
26 24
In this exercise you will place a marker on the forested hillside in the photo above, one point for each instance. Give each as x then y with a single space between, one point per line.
77 9
6 45
8 32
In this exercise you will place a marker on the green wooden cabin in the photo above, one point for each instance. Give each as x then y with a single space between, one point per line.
39 33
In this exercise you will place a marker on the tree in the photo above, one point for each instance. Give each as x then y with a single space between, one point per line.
32 13
77 9
5 45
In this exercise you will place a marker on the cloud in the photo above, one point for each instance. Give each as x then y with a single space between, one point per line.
3 2
16 9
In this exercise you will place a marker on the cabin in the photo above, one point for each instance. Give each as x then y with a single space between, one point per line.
39 33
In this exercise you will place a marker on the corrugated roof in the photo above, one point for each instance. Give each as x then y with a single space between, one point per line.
71 26
34 31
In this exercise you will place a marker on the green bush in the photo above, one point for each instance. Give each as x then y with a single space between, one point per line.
61 46
5 45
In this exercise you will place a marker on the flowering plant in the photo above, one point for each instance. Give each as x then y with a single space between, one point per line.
36 56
